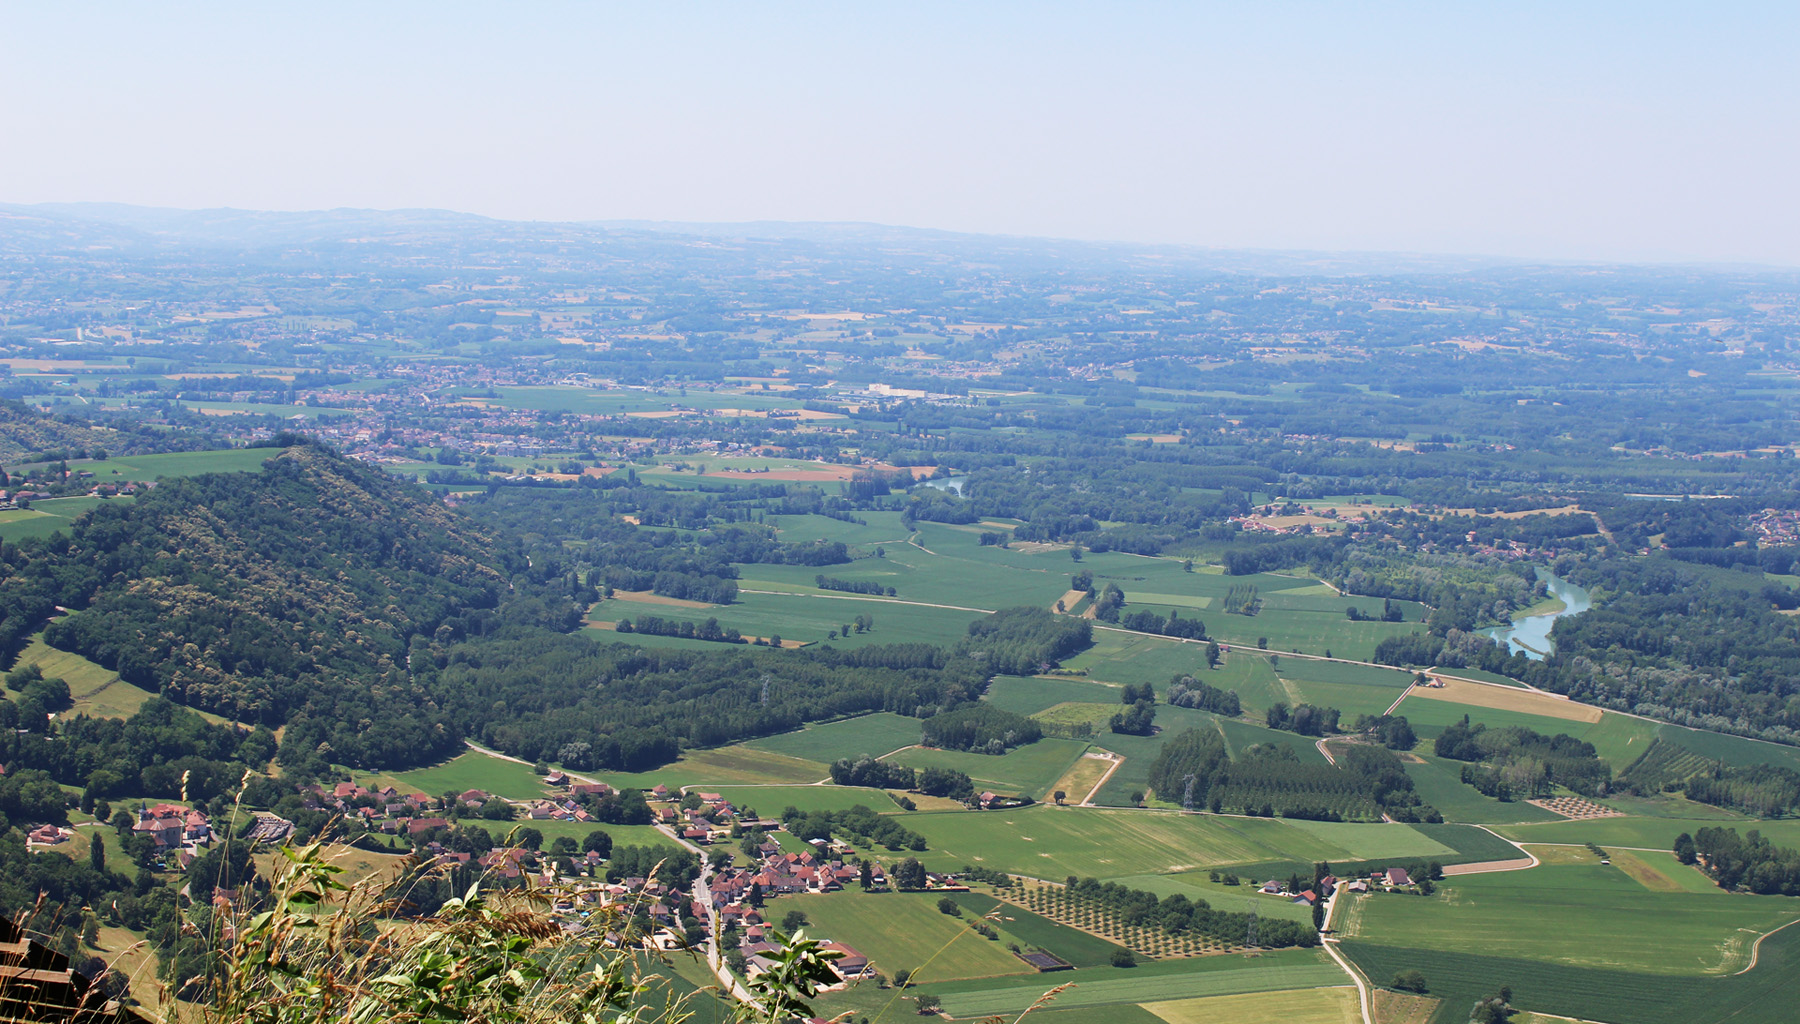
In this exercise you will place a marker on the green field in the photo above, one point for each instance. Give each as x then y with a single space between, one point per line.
876 529
46 516
1050 842
874 735
903 931
723 766
1621 739
809 617
1077 947
1430 717
1070 714
1029 770
1298 1006
1371 840
1149 983
1764 995
1654 833
473 770
1439 783
1581 914
1235 898
770 801
1027 695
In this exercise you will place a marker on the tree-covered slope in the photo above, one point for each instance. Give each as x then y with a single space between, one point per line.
285 597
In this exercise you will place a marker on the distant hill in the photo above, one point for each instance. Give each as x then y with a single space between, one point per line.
284 597
92 227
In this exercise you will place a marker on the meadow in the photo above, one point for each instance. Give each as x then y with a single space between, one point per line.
770 801
1023 771
1337 1005
904 931
1439 783
873 735
1028 695
1646 833
1050 842
1033 930
807 617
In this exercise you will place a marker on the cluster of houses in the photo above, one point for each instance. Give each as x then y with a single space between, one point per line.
714 821
387 810
783 874
1386 880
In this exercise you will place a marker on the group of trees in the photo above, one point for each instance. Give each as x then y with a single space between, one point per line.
1024 641
1515 761
858 821
866 771
1179 916
1139 716
1390 612
1174 625
652 625
1391 731
824 582
1749 862
1187 692
1268 780
981 728
1305 719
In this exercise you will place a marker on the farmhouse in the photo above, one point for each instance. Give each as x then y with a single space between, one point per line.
1397 878
850 963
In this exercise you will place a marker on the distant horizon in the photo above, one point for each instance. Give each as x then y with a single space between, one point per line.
673 226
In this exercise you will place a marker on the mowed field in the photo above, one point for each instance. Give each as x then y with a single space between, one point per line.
1503 698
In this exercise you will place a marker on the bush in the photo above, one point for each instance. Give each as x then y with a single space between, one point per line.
1123 957
1409 981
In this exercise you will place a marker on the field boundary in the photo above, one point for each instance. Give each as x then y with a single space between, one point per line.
1756 947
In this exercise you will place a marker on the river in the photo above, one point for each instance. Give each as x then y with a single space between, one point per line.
1531 635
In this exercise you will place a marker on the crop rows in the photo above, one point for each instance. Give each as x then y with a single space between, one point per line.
1065 907
1665 764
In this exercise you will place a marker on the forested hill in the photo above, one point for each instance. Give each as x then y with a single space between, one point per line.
285 597
27 435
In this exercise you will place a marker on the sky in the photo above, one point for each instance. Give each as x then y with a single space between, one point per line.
1595 130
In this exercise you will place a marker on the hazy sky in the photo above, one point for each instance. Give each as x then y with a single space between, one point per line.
1586 130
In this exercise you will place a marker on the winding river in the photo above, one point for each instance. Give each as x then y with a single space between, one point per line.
1530 635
